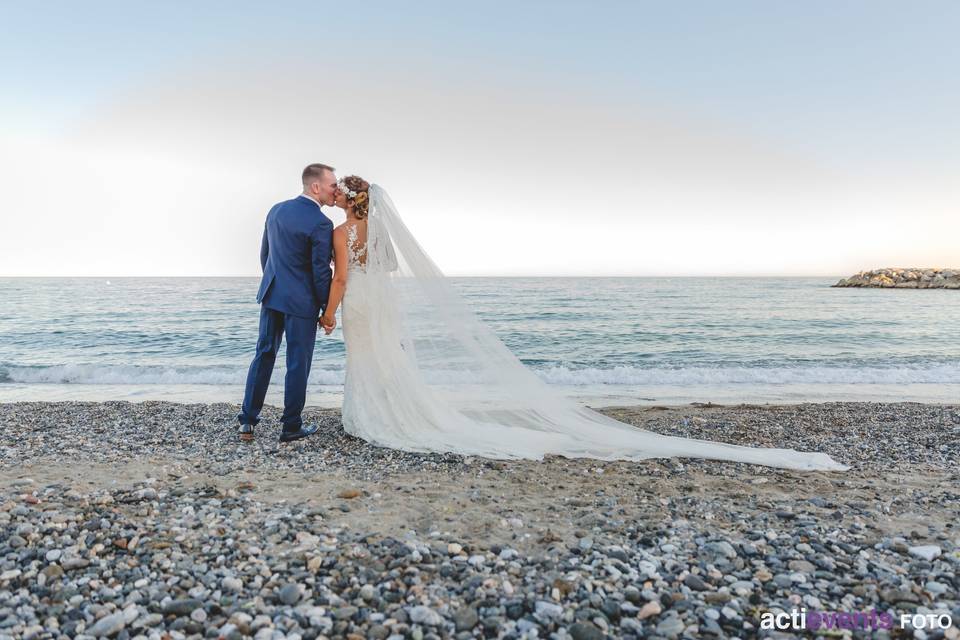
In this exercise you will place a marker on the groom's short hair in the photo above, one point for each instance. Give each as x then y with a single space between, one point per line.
314 171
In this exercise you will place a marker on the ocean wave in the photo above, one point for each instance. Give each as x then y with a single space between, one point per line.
934 373
929 373
147 374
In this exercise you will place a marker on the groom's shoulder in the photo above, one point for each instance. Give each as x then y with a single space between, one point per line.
292 205
292 202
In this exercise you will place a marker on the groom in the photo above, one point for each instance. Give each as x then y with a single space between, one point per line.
295 257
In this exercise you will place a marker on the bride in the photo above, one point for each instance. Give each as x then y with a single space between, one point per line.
423 373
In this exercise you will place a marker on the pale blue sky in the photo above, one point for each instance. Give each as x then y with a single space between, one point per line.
798 137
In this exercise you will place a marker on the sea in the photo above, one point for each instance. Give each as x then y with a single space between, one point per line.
603 341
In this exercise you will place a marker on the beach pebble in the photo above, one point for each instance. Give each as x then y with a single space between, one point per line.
649 609
671 626
465 618
290 594
107 626
232 584
547 611
425 615
927 552
585 631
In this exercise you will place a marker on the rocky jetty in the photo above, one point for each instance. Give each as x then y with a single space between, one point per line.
897 278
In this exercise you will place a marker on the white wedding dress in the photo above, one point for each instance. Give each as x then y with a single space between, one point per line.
424 373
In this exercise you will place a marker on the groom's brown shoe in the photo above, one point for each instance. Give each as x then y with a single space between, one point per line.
246 432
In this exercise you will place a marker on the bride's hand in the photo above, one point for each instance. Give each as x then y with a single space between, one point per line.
328 323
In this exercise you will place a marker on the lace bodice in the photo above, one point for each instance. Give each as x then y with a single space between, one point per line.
356 249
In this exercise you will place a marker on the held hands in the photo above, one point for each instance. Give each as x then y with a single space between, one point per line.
328 322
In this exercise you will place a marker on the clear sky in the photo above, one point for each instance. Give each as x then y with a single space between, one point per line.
516 138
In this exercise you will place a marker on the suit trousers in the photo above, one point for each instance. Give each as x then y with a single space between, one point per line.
301 337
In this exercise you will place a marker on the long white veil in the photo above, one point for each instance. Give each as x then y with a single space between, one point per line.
479 389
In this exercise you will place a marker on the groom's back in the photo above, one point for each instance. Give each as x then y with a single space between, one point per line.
288 279
288 231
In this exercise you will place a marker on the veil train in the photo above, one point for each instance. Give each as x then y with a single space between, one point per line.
428 375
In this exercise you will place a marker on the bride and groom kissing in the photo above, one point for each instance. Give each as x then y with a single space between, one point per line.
423 372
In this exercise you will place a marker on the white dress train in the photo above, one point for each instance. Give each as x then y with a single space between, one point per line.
424 373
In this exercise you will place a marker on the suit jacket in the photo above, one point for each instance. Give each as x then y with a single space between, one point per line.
295 257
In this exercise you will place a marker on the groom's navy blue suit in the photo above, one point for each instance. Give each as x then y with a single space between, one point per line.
295 257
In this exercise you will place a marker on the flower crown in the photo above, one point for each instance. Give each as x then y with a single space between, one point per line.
346 190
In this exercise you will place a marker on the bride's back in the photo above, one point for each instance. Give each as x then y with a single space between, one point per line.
356 242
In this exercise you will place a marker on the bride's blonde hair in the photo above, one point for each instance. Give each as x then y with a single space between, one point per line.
361 201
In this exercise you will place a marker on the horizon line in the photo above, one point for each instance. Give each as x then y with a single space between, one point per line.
108 277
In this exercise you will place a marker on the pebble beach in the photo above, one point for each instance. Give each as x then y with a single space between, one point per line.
150 520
